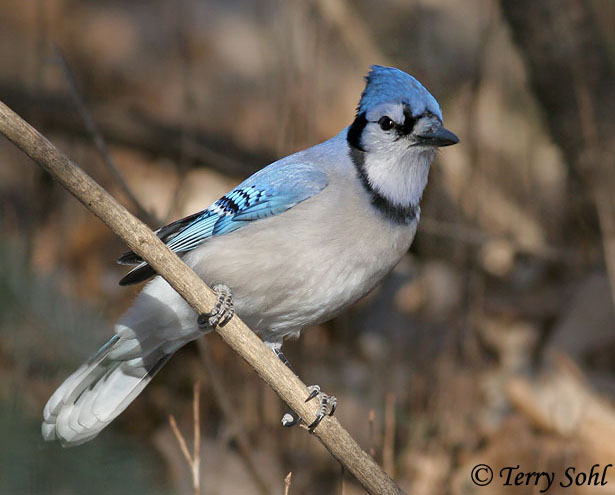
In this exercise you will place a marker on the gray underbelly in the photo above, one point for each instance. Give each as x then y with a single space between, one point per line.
302 275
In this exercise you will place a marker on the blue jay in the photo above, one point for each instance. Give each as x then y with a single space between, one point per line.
297 243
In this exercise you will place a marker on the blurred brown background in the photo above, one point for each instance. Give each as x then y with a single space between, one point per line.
492 342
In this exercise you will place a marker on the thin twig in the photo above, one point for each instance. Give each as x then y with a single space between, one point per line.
99 140
194 460
197 294
287 482
180 440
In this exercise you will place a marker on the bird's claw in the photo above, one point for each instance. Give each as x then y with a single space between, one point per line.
223 310
328 404
315 390
291 418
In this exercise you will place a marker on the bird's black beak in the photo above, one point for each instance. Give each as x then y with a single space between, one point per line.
440 137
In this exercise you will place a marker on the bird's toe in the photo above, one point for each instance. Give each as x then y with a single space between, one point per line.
222 312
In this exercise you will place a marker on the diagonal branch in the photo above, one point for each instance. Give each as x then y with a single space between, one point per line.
236 334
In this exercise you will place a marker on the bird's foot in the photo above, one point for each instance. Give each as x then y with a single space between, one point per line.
328 403
223 310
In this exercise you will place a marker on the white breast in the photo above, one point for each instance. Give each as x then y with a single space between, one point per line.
306 265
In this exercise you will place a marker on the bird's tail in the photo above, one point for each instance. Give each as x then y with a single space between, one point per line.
98 392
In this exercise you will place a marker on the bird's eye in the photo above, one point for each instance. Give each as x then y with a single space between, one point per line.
386 124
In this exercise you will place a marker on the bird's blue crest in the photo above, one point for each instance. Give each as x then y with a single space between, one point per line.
387 84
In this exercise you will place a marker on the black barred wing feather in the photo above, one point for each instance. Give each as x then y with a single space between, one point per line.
165 234
269 192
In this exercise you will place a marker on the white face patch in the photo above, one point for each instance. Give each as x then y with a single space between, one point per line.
400 176
394 166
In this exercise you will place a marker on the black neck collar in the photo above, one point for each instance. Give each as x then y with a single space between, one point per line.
403 214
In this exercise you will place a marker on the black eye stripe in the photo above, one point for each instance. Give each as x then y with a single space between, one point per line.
386 123
409 121
356 128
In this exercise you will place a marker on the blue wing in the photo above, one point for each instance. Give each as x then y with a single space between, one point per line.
269 192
